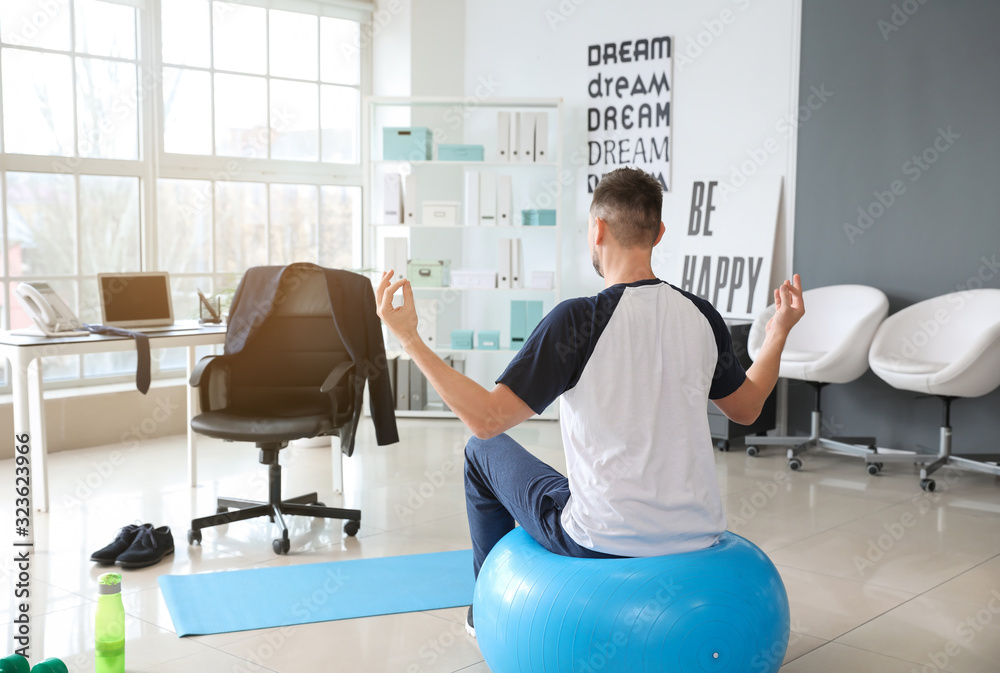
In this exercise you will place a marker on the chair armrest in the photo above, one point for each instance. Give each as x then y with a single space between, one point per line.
201 368
338 373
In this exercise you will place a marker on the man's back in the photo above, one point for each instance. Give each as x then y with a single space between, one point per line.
635 365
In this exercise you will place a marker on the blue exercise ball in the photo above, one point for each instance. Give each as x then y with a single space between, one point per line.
721 609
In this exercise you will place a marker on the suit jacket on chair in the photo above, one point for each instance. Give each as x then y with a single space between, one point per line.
353 303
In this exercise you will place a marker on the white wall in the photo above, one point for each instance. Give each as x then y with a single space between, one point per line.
731 95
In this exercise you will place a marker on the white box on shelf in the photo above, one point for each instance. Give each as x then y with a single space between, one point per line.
474 278
440 213
542 280
410 199
471 199
503 136
488 199
541 137
505 201
392 202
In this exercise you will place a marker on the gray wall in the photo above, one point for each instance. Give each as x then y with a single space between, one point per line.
890 95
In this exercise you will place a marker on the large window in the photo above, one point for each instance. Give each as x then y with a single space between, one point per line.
198 137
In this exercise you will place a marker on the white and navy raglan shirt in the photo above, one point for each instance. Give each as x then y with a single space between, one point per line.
635 366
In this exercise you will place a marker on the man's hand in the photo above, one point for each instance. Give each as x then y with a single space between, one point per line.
401 321
789 307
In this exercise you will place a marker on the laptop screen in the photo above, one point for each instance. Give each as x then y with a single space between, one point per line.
129 300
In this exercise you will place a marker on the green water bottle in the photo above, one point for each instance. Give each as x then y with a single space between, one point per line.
15 663
109 627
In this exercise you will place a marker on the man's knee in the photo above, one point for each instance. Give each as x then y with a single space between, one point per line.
476 448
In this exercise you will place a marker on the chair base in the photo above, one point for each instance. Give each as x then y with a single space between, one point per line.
858 446
230 510
931 463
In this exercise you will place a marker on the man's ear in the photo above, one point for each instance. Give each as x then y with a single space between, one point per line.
601 227
659 236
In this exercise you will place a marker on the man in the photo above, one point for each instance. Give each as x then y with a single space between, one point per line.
634 366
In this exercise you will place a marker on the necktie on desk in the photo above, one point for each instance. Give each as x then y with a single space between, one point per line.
142 375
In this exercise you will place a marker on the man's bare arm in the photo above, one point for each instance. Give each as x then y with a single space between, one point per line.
744 405
486 413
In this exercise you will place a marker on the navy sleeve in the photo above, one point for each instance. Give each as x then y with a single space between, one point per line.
553 357
729 374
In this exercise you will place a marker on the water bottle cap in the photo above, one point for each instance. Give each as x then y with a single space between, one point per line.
109 583
52 665
14 663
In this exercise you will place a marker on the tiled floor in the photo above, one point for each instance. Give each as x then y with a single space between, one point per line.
881 576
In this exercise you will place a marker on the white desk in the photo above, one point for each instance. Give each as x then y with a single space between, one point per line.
25 354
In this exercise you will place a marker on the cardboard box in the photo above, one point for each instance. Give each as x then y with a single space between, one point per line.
461 339
460 152
440 213
489 340
474 278
429 273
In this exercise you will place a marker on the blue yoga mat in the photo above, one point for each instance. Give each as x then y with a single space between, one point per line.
240 600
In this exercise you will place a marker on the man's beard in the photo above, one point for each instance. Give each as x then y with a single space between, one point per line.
597 264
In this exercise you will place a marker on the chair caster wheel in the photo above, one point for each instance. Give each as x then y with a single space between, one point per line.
221 510
722 445
794 464
281 545
752 450
352 528
874 468
927 485
194 536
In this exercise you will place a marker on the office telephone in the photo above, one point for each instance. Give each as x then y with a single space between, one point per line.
50 313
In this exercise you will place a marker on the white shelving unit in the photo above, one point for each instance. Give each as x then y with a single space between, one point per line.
535 185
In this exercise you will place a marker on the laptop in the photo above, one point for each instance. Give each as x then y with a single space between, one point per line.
137 301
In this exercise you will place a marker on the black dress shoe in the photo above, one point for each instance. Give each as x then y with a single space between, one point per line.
126 536
149 547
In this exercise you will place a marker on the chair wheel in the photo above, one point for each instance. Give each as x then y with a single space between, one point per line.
927 485
794 464
752 450
221 510
194 536
352 528
722 445
874 468
281 545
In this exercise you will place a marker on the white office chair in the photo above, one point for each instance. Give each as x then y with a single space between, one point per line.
828 345
948 347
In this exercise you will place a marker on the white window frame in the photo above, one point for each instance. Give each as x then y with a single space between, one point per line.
154 163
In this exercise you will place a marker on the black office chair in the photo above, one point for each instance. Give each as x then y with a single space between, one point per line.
292 379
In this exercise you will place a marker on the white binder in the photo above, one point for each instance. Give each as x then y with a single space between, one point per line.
503 136
505 201
471 218
541 137
504 263
488 199
395 251
516 263
427 321
526 143
392 210
515 136
410 199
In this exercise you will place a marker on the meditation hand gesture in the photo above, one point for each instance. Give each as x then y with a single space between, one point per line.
789 307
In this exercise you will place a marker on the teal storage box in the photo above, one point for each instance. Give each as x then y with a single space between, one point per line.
461 339
538 218
429 273
460 152
489 340
524 317
407 144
